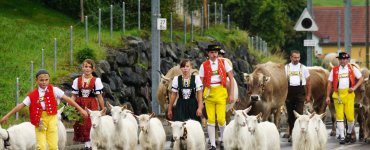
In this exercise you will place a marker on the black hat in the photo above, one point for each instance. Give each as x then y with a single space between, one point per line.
343 55
213 48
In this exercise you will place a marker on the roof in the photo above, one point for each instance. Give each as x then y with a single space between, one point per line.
326 19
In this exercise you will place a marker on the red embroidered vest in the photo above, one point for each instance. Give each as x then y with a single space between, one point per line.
90 86
351 76
208 73
35 106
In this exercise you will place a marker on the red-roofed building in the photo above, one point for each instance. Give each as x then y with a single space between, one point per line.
326 19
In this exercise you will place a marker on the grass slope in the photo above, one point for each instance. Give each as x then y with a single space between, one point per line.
26 28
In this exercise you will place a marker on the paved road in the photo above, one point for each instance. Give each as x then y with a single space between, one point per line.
284 144
332 144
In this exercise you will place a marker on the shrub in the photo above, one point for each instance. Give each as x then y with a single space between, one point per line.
72 114
86 53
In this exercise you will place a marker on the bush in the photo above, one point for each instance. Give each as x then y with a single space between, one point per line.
72 114
86 53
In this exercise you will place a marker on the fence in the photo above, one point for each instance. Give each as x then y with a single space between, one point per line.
217 15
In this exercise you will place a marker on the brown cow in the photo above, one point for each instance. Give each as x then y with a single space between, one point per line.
164 88
319 82
360 101
268 88
365 110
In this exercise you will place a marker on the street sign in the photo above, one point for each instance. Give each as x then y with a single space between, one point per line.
161 24
305 22
309 43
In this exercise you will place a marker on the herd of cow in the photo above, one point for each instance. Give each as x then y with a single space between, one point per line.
267 89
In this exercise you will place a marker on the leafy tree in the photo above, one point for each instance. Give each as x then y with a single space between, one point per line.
273 20
294 40
269 22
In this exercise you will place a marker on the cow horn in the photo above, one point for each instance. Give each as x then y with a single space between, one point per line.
331 65
165 78
162 76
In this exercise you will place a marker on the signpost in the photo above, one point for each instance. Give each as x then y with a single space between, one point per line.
306 23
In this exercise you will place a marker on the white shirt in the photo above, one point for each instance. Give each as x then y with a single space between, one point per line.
58 93
175 85
295 77
214 66
344 76
98 86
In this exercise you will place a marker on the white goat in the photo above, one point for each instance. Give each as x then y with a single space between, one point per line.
236 134
62 133
264 135
302 136
152 135
125 113
320 133
102 129
190 133
21 136
125 130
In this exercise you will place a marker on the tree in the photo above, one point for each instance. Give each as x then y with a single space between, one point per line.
273 20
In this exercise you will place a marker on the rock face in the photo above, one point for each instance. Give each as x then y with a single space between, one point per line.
126 72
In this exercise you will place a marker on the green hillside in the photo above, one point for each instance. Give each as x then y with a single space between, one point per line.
26 28
337 2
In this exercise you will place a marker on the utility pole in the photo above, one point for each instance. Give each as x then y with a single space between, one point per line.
309 35
347 26
367 33
338 31
156 38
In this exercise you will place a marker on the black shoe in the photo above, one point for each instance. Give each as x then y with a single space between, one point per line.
290 139
349 138
342 141
212 148
221 145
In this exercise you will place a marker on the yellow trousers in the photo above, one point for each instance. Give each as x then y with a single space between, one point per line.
216 104
47 132
346 107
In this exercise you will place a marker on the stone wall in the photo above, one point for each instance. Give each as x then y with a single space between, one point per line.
126 72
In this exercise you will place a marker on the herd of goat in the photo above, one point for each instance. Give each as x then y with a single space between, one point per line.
120 131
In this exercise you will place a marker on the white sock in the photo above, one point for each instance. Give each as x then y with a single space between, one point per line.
341 128
221 132
211 134
336 130
88 144
350 127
